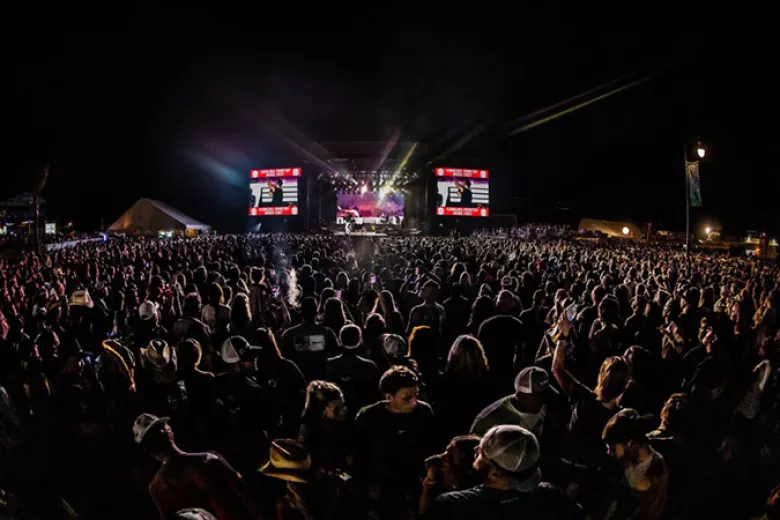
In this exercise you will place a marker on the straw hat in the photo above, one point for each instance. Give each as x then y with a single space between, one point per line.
288 461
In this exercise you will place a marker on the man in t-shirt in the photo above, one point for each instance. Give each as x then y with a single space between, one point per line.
508 460
502 338
309 345
429 313
526 407
645 468
393 439
356 376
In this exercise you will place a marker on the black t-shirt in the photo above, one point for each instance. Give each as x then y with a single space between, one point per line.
543 503
502 338
357 377
588 418
285 386
277 199
391 448
309 346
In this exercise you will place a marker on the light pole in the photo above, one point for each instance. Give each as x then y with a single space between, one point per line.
701 152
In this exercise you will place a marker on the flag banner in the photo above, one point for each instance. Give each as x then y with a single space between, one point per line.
694 186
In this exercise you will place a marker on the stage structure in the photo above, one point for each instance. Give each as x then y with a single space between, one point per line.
370 187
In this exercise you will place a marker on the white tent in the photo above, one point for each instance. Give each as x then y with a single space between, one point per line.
149 217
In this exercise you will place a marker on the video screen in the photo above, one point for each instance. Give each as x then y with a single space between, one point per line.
274 192
370 207
462 192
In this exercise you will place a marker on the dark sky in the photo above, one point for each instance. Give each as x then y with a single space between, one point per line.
180 108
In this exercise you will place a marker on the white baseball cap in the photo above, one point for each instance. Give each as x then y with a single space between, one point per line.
516 451
147 310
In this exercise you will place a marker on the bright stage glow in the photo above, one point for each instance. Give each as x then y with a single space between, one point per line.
626 231
363 189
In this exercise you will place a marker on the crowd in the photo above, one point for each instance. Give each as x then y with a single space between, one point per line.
529 231
315 377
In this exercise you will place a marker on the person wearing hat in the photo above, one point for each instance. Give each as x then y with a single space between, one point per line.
191 480
246 406
508 461
355 375
310 492
527 407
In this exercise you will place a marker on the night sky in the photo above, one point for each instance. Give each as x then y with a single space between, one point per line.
180 109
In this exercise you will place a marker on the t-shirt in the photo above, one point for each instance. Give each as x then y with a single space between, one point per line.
502 338
391 448
588 418
503 412
309 345
357 377
543 503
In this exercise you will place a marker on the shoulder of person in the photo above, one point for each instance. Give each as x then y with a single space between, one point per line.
424 408
657 466
565 506
491 408
370 410
454 497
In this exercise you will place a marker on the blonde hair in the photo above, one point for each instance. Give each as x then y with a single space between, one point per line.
467 356
613 377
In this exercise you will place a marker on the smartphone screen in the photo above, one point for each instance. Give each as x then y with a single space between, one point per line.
276 291
373 278
571 312
338 294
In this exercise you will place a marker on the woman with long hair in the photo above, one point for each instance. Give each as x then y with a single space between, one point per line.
324 431
385 305
335 315
483 308
241 317
464 388
283 381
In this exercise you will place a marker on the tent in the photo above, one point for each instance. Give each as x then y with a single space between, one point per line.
611 228
150 217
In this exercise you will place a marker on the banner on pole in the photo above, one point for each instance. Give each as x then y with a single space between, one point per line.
692 170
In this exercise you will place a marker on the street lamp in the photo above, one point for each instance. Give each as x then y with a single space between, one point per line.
700 152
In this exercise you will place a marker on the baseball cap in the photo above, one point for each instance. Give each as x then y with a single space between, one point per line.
236 349
516 451
533 380
394 345
351 336
147 310
144 423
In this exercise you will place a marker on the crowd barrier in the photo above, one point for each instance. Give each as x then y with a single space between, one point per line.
70 243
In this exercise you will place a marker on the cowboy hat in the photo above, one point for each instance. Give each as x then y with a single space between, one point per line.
288 461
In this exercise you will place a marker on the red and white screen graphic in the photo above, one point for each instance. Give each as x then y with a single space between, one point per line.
274 192
462 192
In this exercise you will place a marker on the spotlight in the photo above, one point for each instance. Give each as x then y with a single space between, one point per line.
626 231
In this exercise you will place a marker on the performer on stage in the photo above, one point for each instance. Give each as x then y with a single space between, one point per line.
277 193
464 191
